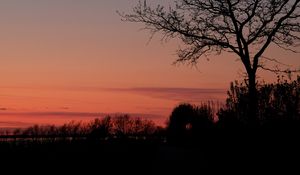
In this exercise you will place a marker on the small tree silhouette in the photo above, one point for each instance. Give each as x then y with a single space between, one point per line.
188 121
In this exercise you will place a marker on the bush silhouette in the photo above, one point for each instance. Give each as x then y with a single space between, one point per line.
278 104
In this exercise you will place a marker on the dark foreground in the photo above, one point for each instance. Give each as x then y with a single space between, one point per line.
226 152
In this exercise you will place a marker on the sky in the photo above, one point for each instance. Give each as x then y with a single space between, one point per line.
65 60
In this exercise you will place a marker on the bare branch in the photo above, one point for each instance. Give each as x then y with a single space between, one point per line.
243 27
277 70
273 32
275 61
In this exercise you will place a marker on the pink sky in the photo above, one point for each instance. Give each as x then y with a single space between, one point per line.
77 57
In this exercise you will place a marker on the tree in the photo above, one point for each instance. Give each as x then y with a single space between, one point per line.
122 125
189 120
101 128
245 28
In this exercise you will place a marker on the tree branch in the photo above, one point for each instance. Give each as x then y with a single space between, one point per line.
272 34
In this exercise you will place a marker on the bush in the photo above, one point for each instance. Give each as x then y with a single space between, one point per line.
277 103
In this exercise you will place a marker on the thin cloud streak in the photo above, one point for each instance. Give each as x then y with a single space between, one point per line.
194 95
167 93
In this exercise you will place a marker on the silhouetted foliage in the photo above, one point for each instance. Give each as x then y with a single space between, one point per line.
277 103
117 127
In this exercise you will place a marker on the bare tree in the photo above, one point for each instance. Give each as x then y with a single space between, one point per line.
101 128
243 27
122 125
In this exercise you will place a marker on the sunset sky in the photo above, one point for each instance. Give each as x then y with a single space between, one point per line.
65 60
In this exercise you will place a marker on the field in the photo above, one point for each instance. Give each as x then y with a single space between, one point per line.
222 152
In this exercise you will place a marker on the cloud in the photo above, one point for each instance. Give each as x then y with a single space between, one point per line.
64 108
180 94
167 93
3 109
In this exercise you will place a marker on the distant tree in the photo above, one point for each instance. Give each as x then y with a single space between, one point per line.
137 126
101 128
107 125
142 127
74 128
245 28
122 125
71 129
33 131
17 131
52 130
149 127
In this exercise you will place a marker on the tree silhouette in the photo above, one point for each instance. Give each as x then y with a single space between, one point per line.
189 121
180 122
243 27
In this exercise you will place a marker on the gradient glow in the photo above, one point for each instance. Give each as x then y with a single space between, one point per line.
64 57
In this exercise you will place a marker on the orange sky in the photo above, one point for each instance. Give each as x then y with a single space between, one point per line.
77 57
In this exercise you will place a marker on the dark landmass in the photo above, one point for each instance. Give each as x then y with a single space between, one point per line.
224 151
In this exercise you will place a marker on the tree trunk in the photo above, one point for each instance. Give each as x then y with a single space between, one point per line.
252 113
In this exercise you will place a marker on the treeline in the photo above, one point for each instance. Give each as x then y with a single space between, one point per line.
121 126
